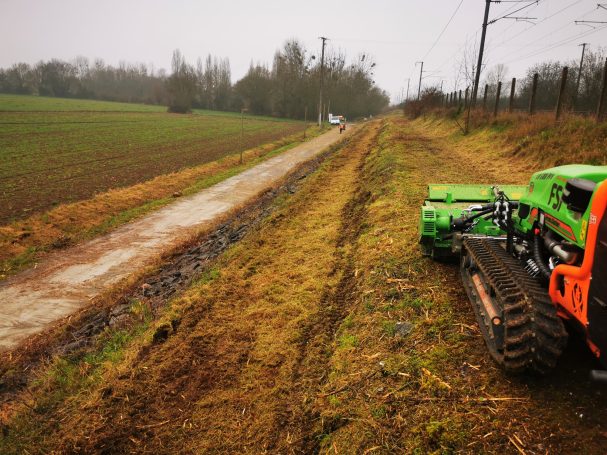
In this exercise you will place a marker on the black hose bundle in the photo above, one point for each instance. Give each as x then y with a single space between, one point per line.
539 260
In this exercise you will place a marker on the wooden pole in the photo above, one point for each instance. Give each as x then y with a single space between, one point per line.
533 94
601 107
479 65
485 97
322 74
579 74
497 99
512 89
459 103
559 101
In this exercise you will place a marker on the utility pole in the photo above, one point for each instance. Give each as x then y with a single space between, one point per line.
601 107
421 71
559 103
322 74
480 54
408 81
579 73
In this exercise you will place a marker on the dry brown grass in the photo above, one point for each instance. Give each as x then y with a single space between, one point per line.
537 142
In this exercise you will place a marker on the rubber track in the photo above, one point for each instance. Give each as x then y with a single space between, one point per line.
534 335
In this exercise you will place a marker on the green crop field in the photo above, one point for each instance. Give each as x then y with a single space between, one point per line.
63 150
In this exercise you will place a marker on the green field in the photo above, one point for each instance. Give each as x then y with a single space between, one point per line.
42 103
62 150
30 103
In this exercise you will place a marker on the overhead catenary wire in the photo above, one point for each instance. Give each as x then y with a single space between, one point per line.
492 21
561 43
509 11
536 24
536 46
443 30
559 29
490 44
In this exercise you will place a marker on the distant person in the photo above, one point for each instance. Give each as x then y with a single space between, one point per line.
342 126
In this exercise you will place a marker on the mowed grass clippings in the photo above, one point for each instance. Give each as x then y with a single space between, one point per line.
410 372
247 346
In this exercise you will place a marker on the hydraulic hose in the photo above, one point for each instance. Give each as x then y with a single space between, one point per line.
479 214
459 224
539 260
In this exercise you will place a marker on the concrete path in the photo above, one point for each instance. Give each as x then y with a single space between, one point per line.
67 280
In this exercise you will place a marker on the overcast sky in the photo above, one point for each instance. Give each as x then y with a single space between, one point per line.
396 32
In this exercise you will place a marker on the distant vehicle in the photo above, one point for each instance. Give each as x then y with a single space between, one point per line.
335 119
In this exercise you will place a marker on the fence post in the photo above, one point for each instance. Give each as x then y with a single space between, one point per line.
512 89
533 93
601 107
466 98
485 97
497 98
559 102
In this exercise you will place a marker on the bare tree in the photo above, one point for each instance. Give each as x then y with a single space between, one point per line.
497 73
467 64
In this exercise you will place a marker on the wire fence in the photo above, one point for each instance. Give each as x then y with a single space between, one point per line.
534 93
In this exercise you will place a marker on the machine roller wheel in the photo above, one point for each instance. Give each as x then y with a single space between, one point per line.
515 314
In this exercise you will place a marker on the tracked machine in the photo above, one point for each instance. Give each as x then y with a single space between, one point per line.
531 257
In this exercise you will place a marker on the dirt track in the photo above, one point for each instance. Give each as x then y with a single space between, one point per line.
67 280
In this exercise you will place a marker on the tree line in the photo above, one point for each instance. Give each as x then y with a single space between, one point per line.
289 87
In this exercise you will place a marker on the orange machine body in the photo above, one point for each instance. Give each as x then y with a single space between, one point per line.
578 291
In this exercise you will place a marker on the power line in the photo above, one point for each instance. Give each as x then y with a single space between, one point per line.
444 29
490 45
558 44
559 29
536 24
492 21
